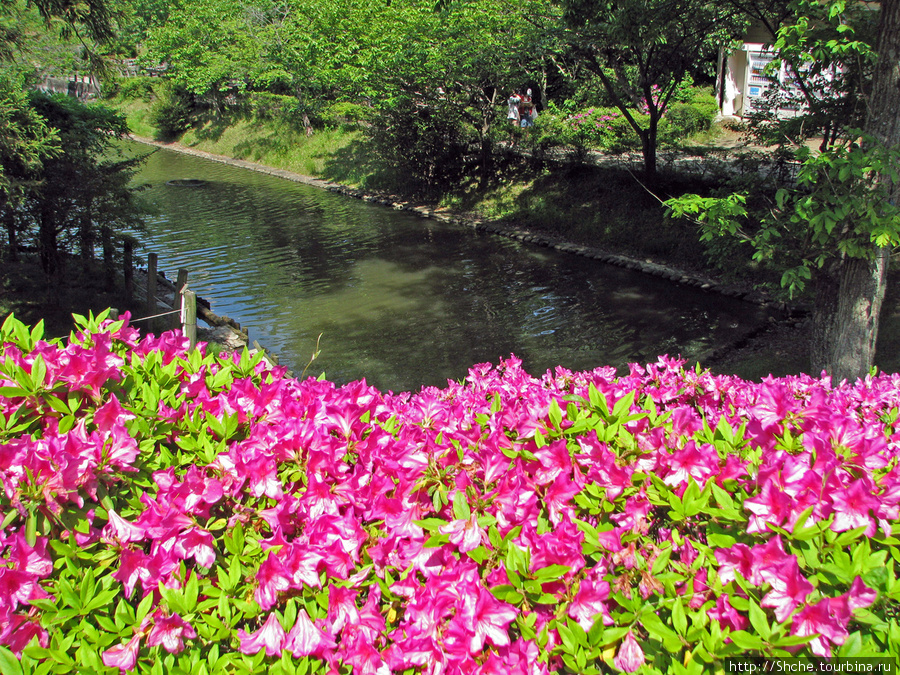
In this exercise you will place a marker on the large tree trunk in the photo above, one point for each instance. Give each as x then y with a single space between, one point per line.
848 304
845 318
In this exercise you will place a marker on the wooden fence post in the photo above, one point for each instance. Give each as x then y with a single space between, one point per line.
129 270
152 261
179 286
189 316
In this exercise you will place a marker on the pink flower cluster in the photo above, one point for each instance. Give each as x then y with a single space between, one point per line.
411 509
589 118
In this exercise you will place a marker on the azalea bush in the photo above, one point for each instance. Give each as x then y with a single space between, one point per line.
584 129
167 511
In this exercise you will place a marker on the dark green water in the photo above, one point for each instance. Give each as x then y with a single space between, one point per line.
403 301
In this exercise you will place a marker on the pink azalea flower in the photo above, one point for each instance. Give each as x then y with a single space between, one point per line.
789 588
272 578
342 609
771 505
860 595
728 616
18 587
123 656
466 534
270 636
630 656
120 530
133 566
197 544
822 619
170 632
589 605
307 639
18 630
362 656
853 506
33 560
262 472
771 556
488 621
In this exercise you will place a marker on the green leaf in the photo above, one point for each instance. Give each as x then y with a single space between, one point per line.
758 620
662 560
553 572
9 664
555 414
746 641
461 510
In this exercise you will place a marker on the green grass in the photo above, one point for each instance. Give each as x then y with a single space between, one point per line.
341 154
271 143
136 114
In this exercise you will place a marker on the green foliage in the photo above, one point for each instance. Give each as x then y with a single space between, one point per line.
643 50
140 88
80 196
26 140
347 113
429 143
839 206
826 49
686 118
602 129
172 111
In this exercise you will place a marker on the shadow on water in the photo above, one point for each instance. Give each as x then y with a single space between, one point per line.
406 302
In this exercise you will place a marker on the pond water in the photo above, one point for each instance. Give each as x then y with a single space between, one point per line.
404 301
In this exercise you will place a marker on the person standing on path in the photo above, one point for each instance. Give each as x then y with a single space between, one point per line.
526 106
513 108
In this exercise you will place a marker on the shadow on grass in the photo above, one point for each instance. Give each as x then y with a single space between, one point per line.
211 126
607 208
358 164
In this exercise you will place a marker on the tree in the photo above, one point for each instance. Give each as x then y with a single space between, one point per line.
58 183
441 85
642 49
835 226
850 294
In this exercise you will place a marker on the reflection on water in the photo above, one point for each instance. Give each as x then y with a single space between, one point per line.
402 301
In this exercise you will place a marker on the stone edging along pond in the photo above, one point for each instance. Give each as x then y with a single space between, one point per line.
425 211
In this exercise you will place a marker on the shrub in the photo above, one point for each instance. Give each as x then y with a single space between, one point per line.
189 513
266 106
345 113
172 112
135 88
603 129
684 119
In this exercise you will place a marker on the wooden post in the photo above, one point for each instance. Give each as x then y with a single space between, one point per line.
152 261
189 316
129 270
179 286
